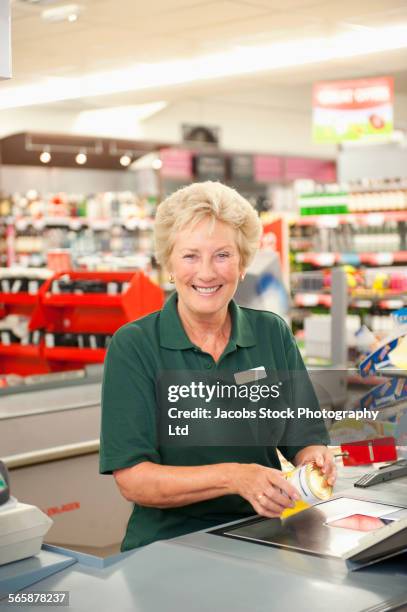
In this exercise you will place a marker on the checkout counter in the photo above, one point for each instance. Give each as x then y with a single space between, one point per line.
202 571
54 466
50 445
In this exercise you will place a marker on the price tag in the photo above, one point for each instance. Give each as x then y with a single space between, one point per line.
131 224
38 224
307 299
329 221
363 303
374 219
101 224
75 224
391 304
324 259
383 259
145 224
21 225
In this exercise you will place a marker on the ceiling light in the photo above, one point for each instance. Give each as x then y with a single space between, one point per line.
116 121
81 158
157 164
45 157
65 12
38 1
355 26
147 162
125 160
238 61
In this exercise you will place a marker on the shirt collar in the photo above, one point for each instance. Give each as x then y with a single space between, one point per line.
173 336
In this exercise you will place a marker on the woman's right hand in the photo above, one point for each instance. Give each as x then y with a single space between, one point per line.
264 488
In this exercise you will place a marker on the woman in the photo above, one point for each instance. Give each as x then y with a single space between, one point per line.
206 234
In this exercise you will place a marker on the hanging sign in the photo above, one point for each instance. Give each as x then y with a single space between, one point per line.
176 163
360 109
268 168
320 170
275 238
210 167
241 168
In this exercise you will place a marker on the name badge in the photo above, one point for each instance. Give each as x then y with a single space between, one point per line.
248 376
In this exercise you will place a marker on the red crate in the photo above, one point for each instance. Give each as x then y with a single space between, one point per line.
72 313
71 353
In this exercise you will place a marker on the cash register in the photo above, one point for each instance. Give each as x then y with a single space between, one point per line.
22 526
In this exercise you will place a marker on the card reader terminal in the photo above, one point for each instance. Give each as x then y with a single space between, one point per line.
387 472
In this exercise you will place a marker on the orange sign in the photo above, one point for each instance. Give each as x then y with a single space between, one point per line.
360 93
360 109
275 238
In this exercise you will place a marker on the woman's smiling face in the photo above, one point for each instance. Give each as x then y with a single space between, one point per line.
205 263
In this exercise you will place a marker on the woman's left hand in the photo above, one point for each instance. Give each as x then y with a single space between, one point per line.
322 457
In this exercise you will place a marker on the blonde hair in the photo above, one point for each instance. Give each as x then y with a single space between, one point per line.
189 205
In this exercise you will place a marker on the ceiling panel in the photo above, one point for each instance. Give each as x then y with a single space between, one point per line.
33 27
20 10
378 19
69 55
137 16
287 5
111 34
360 12
263 30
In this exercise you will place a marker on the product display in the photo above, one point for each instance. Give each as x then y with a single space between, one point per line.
371 197
367 237
310 482
32 225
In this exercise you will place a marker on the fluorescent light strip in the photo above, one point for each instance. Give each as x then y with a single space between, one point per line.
121 120
239 61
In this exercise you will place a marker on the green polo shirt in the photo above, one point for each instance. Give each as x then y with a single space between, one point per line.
138 354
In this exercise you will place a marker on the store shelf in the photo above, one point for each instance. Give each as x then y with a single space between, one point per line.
74 354
96 300
76 223
368 219
383 259
391 305
379 294
18 350
309 300
18 298
322 260
16 358
22 359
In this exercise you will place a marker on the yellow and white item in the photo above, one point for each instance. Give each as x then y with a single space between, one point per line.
310 483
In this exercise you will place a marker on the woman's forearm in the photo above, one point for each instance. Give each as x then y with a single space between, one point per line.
165 486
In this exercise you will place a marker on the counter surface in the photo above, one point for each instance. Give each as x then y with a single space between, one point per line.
201 572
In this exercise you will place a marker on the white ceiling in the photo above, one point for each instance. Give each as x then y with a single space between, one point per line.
116 33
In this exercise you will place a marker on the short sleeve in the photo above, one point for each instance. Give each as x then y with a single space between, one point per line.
128 422
301 432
